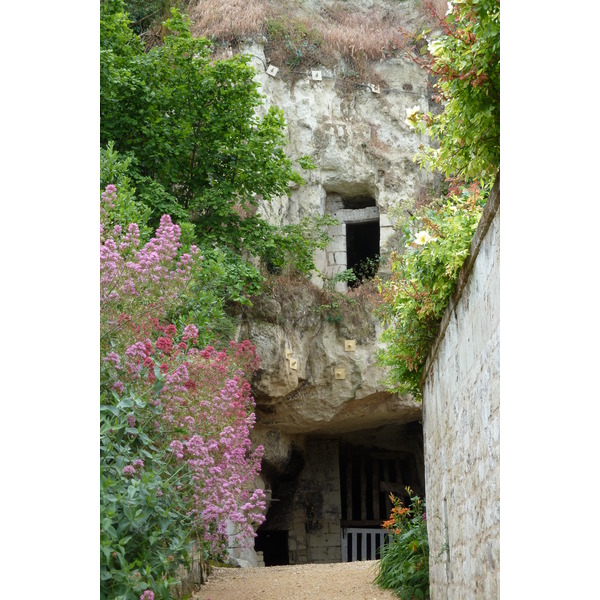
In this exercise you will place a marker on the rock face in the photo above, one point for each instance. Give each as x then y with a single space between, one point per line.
319 376
363 151
357 137
333 436
336 443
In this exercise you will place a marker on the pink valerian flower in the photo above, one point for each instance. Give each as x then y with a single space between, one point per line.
177 448
137 350
190 333
165 344
205 394
138 463
188 421
109 196
147 595
131 420
118 387
113 358
128 271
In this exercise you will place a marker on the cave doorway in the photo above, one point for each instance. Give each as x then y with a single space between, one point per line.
362 250
274 546
368 474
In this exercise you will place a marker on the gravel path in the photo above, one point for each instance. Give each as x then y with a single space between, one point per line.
338 581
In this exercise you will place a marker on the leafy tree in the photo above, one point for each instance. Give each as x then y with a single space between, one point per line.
189 126
465 61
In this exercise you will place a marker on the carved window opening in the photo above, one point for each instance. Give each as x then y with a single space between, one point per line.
355 242
362 250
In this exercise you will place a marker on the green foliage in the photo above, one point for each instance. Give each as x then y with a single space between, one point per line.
294 245
404 563
422 281
191 124
365 269
221 279
196 148
300 42
143 538
465 60
145 13
347 276
115 168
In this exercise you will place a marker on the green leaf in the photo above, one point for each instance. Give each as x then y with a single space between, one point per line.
159 384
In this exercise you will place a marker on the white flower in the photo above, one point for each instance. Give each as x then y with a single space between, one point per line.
434 47
411 114
422 238
450 7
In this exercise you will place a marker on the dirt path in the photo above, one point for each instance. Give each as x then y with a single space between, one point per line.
339 581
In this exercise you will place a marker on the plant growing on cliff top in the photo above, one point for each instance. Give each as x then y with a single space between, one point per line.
404 563
422 282
465 61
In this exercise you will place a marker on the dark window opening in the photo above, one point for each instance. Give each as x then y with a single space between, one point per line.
362 247
274 546
358 202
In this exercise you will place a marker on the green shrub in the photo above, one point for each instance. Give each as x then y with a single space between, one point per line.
465 62
422 281
404 563
144 539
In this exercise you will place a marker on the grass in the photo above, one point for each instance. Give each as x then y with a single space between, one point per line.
297 39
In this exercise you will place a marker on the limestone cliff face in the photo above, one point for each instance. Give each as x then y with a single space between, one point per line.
319 381
354 131
363 150
358 140
319 375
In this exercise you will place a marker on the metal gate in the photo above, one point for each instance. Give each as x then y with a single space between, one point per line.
360 543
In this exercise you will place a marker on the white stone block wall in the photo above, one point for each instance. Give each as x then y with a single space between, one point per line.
461 428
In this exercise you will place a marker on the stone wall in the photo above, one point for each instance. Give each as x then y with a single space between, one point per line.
315 533
462 428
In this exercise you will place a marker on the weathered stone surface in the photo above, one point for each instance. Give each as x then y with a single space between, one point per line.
308 398
358 140
461 429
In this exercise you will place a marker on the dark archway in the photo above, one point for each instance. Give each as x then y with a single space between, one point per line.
274 546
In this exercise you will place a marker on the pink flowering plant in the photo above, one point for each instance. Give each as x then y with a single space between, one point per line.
176 459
